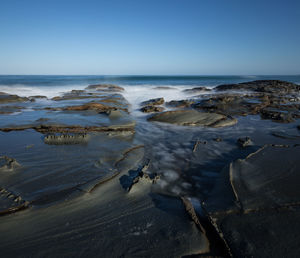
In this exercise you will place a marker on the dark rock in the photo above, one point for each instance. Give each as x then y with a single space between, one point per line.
38 97
196 90
270 86
180 103
77 91
105 87
42 119
244 142
233 104
10 202
260 192
276 115
164 88
7 98
153 102
193 117
152 109
136 176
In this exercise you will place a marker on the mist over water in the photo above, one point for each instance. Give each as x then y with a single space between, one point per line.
137 87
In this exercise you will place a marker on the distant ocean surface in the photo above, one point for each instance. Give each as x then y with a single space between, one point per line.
52 85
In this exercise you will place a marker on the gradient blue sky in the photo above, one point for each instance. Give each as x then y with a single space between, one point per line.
199 37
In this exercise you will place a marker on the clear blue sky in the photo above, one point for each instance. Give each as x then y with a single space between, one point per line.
199 37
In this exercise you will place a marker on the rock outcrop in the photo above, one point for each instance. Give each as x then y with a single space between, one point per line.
153 102
256 200
193 118
105 87
151 109
8 98
196 90
8 164
266 86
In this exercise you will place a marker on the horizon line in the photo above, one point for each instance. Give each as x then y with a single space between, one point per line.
146 75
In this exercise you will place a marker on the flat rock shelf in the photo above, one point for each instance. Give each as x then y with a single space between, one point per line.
214 174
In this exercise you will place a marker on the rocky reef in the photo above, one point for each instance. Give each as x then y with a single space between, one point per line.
213 174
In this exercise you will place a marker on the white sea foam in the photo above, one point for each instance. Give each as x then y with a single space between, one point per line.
133 93
48 91
139 93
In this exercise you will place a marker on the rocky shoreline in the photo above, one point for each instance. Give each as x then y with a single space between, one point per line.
214 174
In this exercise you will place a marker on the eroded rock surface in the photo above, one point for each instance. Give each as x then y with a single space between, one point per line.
10 202
152 109
193 117
66 139
196 90
153 102
8 98
95 112
252 200
8 164
267 86
274 100
105 87
180 103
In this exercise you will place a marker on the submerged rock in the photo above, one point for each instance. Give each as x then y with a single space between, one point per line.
194 118
218 139
8 164
284 135
244 142
4 110
197 143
